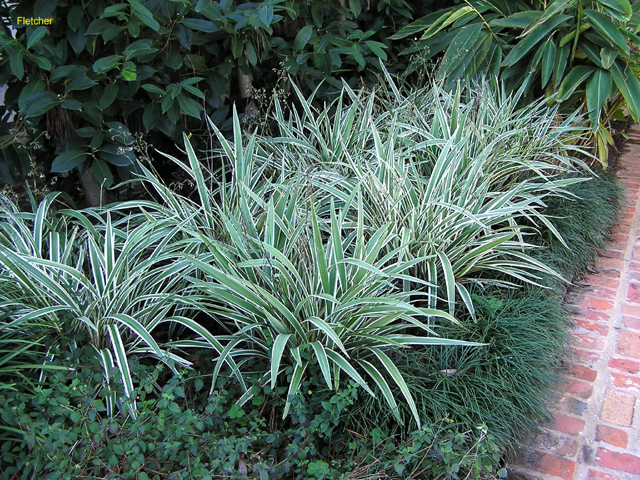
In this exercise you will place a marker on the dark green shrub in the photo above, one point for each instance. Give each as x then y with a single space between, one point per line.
104 71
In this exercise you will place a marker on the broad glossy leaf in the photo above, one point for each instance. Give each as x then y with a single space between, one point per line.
199 25
537 34
102 173
598 89
460 49
39 103
106 64
621 9
628 84
517 20
607 29
68 160
31 88
16 61
576 76
548 60
562 55
421 24
36 36
302 38
108 95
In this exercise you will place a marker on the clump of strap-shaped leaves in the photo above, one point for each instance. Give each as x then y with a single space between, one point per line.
111 283
582 52
461 176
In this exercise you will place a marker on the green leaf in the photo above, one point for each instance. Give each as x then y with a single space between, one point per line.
421 24
608 56
74 17
576 76
620 8
144 15
106 64
102 173
108 95
460 52
251 53
43 62
140 48
68 160
526 45
152 112
608 29
80 82
355 8
199 25
303 37
40 103
36 36
548 60
31 88
598 89
16 61
190 106
377 48
72 104
276 354
628 84
149 87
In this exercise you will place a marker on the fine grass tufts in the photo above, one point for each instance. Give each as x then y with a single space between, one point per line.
501 386
584 221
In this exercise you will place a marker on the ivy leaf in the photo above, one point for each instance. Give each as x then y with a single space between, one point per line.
68 160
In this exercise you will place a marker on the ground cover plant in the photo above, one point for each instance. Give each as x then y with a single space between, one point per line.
359 295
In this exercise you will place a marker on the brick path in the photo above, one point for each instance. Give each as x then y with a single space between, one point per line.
596 434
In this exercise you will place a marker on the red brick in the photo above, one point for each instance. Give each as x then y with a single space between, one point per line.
633 310
631 322
611 253
626 381
624 462
566 424
556 466
557 443
598 475
596 303
581 389
607 263
592 315
624 365
602 293
583 373
599 328
590 341
629 344
585 356
599 281
612 436
633 293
